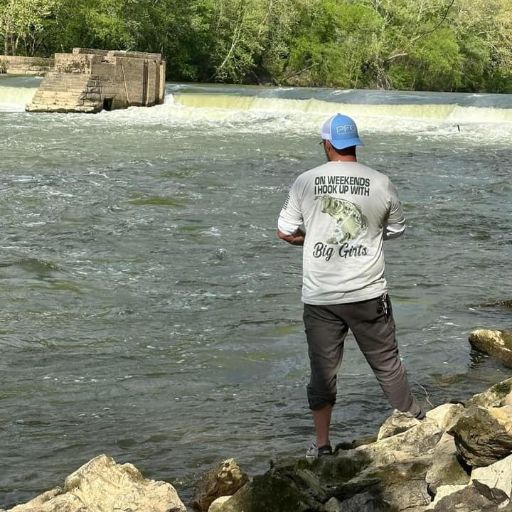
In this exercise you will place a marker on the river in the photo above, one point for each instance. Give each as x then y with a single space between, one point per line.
149 312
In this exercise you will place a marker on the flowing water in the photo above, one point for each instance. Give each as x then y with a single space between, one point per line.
149 312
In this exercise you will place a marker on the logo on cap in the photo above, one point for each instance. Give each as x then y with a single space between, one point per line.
345 128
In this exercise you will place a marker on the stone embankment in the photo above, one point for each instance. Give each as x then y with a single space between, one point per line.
12 65
459 458
89 81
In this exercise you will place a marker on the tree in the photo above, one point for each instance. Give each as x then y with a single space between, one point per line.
23 24
484 31
334 43
424 44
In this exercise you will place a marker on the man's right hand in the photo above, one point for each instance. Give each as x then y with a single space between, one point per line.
296 238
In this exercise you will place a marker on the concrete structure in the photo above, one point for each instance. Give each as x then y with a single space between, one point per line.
24 65
92 80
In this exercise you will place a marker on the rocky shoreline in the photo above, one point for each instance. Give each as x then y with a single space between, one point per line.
457 459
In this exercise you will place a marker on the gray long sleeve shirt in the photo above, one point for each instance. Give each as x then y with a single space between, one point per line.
347 209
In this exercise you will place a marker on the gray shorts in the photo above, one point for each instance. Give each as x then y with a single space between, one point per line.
371 322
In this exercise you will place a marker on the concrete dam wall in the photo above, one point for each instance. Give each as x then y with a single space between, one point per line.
90 80
12 65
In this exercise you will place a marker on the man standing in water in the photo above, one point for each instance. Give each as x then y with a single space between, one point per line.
341 212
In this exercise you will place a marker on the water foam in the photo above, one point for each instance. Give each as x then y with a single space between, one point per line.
299 111
14 99
264 114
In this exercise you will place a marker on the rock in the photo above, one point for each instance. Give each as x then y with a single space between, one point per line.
496 396
333 505
38 502
397 423
216 505
483 436
271 492
442 492
418 441
495 481
387 475
445 469
223 480
391 472
364 502
445 416
495 343
394 487
460 498
102 485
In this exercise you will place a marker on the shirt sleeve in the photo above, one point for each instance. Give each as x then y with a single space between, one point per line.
395 222
290 218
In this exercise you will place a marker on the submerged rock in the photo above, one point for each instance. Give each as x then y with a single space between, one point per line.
102 485
495 343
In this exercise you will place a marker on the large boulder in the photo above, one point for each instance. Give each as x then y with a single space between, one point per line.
495 481
418 441
397 423
495 343
216 505
446 415
445 468
461 498
102 485
384 475
279 490
396 486
223 480
484 436
496 396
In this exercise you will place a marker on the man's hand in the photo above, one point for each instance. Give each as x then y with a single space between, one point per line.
296 238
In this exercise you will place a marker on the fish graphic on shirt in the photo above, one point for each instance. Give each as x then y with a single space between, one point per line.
350 221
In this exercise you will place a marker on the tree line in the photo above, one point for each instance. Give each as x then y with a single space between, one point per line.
450 45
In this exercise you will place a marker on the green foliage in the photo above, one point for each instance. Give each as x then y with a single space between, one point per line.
24 23
335 45
436 62
406 44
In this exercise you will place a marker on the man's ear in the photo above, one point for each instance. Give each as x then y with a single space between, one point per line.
328 148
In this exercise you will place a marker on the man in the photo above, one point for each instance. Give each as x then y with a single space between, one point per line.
341 212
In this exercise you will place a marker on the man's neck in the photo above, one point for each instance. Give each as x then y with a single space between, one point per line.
343 158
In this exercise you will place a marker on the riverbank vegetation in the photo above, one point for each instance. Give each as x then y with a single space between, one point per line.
451 45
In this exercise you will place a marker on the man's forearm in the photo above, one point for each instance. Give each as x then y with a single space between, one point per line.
296 238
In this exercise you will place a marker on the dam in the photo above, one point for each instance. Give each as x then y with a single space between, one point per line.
89 80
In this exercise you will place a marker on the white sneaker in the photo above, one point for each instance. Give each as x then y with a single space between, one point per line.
313 452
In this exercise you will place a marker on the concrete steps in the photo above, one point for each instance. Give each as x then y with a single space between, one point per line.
67 92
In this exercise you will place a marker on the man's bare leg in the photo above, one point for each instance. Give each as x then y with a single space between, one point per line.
322 421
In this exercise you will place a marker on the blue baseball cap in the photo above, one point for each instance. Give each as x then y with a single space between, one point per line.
341 132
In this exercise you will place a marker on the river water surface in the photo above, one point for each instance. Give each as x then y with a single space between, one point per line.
149 312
